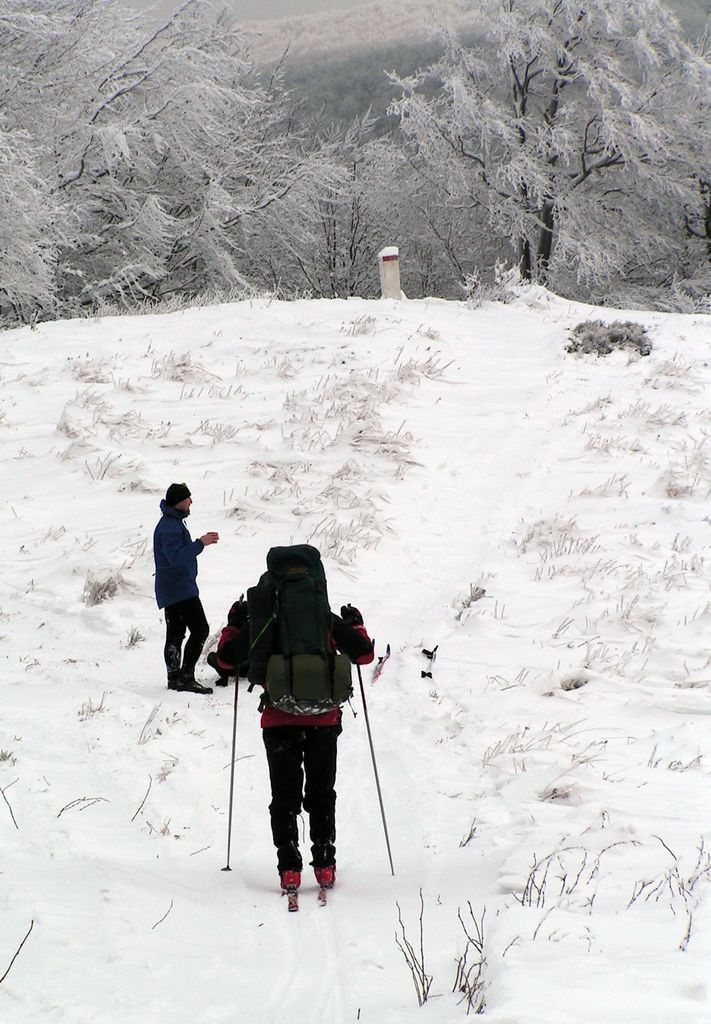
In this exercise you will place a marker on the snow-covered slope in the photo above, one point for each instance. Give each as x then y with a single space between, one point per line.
551 779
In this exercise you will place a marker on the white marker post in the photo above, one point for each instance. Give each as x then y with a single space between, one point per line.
389 259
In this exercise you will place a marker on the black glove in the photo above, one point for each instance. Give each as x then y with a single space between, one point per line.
351 616
264 701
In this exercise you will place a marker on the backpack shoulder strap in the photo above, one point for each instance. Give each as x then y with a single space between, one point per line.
261 604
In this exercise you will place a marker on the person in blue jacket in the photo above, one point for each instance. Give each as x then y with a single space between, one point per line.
175 554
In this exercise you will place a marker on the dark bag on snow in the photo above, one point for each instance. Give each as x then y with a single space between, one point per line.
290 648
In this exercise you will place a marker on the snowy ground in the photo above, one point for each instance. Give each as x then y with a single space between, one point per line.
549 785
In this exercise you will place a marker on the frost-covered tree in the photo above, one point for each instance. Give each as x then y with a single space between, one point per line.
158 141
325 238
698 216
443 238
570 129
32 230
362 194
699 219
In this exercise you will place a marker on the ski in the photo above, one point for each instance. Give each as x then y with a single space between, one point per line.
292 899
381 664
431 656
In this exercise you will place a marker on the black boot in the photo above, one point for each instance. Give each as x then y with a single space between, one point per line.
173 658
188 683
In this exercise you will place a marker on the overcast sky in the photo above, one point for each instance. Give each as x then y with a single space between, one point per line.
252 10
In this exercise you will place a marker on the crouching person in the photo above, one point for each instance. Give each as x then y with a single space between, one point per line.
230 658
301 654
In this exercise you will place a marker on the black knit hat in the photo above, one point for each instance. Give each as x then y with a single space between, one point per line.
176 493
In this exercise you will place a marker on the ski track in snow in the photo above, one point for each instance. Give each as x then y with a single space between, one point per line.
552 775
307 986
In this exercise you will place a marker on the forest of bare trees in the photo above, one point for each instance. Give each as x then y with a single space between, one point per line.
148 161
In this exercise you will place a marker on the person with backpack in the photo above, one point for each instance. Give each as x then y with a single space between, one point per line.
301 654
231 656
175 554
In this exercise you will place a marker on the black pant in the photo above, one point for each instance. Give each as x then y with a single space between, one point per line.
181 617
302 770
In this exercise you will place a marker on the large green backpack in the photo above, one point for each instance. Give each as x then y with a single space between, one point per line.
290 650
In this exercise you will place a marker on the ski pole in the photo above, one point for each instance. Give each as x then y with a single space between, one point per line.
232 777
375 770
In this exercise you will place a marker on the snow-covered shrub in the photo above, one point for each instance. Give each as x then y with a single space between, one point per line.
101 588
598 338
176 302
505 286
363 325
134 638
89 709
464 604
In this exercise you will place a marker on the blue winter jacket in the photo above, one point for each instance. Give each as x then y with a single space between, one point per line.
175 554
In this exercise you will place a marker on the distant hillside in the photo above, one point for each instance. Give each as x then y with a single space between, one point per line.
332 34
337 59
337 62
329 31
343 34
342 89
